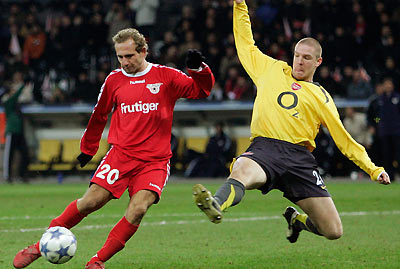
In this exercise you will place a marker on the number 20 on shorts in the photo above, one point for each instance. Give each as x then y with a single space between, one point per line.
106 171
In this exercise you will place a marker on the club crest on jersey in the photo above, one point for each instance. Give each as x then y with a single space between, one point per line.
154 88
296 86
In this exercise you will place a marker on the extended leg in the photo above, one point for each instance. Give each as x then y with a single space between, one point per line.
246 175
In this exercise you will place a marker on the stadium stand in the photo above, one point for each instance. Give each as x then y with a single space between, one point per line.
75 55
70 149
48 154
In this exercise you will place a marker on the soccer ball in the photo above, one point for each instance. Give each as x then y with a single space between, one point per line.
58 245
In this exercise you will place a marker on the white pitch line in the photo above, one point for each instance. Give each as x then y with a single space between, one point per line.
100 216
184 222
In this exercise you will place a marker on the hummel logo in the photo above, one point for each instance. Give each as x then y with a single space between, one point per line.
137 81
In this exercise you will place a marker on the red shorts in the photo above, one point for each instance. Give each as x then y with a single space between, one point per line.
117 172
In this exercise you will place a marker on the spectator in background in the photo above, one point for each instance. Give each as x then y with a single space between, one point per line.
84 91
15 138
117 20
236 86
15 42
25 97
359 87
145 16
213 162
346 77
217 94
160 47
388 126
238 89
229 59
372 122
356 124
189 42
33 52
324 78
218 152
391 70
97 35
170 58
34 46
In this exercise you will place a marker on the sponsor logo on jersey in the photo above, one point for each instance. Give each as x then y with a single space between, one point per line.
139 107
137 81
296 86
154 88
155 186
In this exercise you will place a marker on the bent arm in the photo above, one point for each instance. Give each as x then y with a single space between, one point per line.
97 122
198 85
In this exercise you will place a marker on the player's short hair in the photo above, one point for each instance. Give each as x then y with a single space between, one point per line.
131 33
314 43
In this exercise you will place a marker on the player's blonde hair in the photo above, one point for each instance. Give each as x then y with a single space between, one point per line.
313 43
131 33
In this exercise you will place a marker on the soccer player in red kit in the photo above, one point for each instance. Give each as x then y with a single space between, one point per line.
141 97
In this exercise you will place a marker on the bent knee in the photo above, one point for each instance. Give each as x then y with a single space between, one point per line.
135 215
87 206
334 234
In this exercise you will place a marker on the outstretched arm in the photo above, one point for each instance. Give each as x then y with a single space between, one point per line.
252 59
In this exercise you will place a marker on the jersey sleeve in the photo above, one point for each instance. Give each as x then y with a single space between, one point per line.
252 59
346 144
197 85
98 120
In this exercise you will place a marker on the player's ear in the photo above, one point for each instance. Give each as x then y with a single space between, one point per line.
144 50
319 62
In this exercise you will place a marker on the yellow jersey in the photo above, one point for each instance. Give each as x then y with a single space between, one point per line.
288 109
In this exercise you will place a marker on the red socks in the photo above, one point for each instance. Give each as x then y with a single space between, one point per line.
116 239
68 219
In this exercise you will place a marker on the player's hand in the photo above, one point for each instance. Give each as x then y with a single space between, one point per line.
194 58
239 1
384 178
84 159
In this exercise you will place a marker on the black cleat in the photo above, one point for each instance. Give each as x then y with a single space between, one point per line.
207 203
292 233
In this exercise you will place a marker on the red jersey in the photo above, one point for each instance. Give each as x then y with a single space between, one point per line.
142 107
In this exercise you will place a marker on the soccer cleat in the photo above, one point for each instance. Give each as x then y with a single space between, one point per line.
207 203
292 233
95 265
26 256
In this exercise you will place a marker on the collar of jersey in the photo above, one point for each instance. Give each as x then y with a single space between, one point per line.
138 74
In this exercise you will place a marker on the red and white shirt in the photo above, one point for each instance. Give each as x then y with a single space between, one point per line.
142 107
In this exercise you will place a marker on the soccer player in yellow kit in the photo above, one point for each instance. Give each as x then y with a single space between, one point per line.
288 112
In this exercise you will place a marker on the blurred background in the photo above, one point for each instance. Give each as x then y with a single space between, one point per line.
60 52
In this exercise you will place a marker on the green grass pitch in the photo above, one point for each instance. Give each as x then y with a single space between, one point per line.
175 234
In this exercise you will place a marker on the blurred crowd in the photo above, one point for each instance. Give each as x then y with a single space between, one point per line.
62 52
64 47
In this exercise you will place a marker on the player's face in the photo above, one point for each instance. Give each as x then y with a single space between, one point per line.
131 60
305 62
